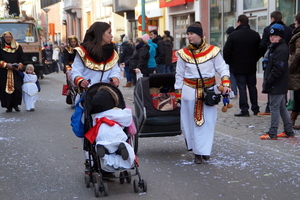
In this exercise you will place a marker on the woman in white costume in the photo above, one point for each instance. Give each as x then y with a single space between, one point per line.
197 119
96 60
30 88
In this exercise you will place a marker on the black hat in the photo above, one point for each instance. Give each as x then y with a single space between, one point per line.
104 99
229 30
277 29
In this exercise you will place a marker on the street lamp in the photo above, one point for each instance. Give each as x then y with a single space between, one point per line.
46 10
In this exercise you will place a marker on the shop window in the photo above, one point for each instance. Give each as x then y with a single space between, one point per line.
219 23
180 25
255 4
288 10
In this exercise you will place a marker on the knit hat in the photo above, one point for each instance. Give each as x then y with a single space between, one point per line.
229 30
277 29
145 37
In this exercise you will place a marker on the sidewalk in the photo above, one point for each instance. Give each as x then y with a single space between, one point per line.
249 127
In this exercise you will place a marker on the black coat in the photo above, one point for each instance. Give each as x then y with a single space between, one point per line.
126 52
160 57
265 41
168 48
241 50
139 59
276 74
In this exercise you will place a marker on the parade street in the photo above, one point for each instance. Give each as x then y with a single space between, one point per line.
41 158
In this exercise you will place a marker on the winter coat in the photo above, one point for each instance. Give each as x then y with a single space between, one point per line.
139 59
126 51
294 60
276 74
241 50
152 54
168 48
160 57
265 41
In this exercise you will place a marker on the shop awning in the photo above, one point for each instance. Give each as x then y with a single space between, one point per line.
169 3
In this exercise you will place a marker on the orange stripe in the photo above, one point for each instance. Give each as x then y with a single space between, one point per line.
77 80
194 82
190 82
201 54
102 62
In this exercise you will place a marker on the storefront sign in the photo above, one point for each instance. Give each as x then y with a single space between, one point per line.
169 3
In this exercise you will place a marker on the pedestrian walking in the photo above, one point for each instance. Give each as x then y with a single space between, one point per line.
160 52
294 70
126 52
11 54
276 17
241 53
30 87
276 75
198 120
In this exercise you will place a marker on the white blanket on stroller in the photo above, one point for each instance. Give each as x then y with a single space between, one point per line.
111 137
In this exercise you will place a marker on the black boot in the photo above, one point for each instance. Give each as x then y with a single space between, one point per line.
122 150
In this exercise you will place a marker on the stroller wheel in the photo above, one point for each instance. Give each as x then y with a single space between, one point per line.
135 186
96 190
144 185
122 179
128 176
87 180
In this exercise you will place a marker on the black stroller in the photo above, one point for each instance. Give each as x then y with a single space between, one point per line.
150 120
96 171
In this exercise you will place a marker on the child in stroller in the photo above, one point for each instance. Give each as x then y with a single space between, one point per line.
107 130
108 145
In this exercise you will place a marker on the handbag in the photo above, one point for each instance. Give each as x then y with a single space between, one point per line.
209 97
76 119
65 90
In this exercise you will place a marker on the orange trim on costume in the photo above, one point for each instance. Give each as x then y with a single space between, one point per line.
198 55
2 64
226 81
102 62
77 80
68 67
177 95
195 82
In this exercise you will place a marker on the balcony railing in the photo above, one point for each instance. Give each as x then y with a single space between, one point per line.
107 2
70 4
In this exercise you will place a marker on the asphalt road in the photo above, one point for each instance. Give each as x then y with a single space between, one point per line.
42 159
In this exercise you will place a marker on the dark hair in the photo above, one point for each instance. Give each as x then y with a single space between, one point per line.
229 30
243 19
297 18
154 32
196 24
277 15
167 33
93 40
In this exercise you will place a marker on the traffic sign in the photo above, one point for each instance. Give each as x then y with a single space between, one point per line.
140 19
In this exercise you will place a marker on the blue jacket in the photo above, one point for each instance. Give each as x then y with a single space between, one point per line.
152 54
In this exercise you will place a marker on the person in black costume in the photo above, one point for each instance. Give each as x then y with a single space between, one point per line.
10 82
